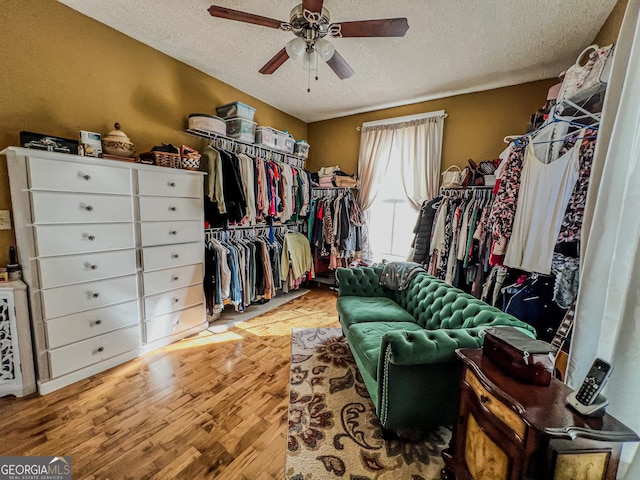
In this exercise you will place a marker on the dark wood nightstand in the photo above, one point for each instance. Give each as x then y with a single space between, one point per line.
510 430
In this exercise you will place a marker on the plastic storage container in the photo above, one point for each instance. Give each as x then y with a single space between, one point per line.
207 123
301 149
285 142
241 129
266 136
236 109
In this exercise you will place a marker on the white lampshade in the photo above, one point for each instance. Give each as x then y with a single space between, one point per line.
310 60
295 48
325 49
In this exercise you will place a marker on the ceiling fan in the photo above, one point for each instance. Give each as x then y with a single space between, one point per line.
310 23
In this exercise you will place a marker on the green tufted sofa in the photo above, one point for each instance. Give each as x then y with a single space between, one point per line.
404 343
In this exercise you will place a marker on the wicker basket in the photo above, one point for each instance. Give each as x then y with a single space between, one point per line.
162 159
192 162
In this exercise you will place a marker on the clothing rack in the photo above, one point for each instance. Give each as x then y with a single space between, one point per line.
238 146
218 232
317 192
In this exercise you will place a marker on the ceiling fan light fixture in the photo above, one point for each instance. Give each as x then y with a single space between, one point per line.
295 48
310 60
325 49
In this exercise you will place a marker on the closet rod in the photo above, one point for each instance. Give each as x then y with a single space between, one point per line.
248 148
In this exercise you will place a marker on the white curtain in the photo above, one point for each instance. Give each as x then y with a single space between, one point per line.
420 146
376 145
607 321
420 154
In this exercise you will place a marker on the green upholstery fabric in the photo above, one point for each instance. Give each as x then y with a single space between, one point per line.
366 339
404 343
370 309
361 282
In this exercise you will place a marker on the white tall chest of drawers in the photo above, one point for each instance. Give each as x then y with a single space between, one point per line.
112 253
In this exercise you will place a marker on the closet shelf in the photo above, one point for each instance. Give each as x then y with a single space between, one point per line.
248 148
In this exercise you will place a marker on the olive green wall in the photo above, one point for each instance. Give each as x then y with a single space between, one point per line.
475 127
61 72
609 32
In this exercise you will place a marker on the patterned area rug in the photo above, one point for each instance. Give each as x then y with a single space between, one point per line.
333 431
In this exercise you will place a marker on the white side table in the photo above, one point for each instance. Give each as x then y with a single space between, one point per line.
17 375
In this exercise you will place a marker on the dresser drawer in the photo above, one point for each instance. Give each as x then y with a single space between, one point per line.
158 258
172 278
86 296
167 233
70 239
51 207
87 267
170 208
77 177
499 410
80 326
93 350
163 303
169 184
176 322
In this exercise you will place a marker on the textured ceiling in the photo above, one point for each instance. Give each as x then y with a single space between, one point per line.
452 47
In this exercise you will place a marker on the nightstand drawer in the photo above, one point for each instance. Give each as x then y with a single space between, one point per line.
495 406
80 326
167 233
176 322
72 239
61 301
82 354
53 175
169 184
169 208
172 278
51 207
86 267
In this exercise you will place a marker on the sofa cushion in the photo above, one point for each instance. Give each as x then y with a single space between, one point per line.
366 339
370 309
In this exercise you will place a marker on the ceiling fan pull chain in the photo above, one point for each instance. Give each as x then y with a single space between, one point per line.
309 81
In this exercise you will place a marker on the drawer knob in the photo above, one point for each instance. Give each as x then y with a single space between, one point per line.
91 238
172 184
176 300
97 322
88 208
175 255
90 266
93 267
174 278
484 399
86 177
95 295
100 349
173 209
173 232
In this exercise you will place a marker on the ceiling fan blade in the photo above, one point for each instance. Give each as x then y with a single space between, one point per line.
245 17
340 66
313 5
386 27
275 63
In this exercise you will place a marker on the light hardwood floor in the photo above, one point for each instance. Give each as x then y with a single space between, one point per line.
210 406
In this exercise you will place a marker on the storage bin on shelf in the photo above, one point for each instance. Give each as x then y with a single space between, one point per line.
241 129
207 123
236 109
161 159
272 138
301 149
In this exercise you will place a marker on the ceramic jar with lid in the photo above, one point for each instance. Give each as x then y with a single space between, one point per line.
117 143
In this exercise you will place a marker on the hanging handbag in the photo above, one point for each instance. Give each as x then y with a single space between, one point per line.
590 72
452 177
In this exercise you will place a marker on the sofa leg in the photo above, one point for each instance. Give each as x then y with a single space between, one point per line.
388 434
446 474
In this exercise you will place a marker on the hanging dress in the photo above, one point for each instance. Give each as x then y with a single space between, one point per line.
545 190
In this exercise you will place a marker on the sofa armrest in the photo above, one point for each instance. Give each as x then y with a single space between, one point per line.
360 282
402 347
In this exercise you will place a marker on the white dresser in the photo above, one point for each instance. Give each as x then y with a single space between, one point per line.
112 253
